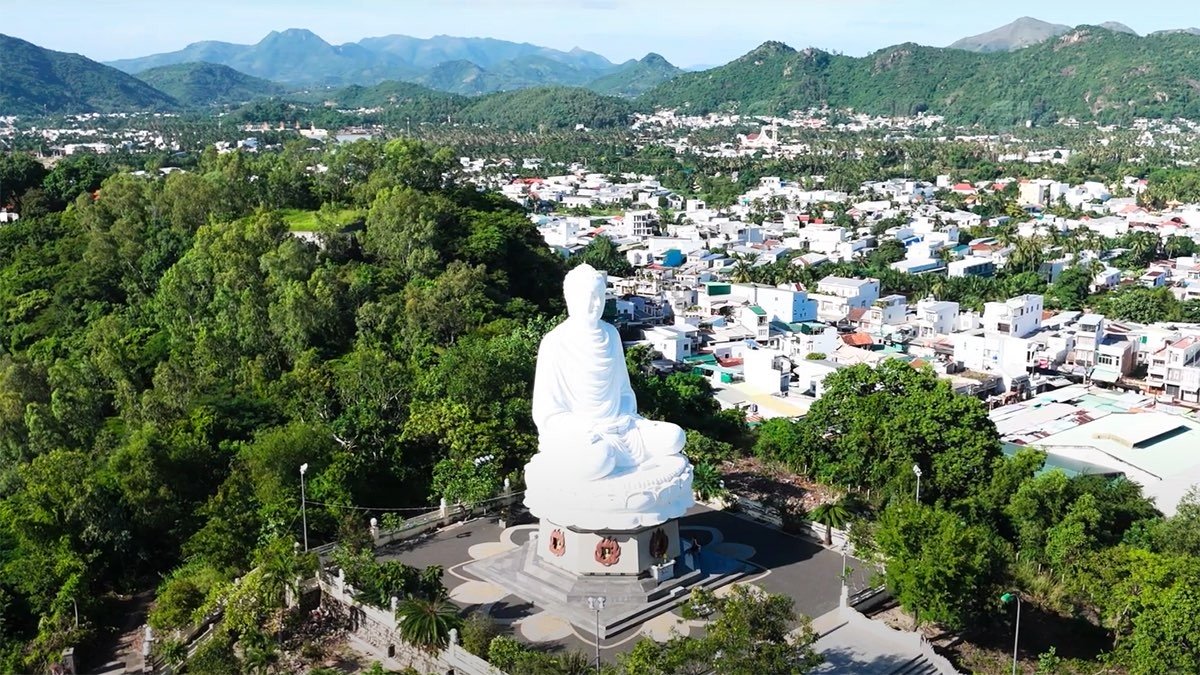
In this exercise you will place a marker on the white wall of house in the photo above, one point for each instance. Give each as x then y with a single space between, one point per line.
767 370
1017 316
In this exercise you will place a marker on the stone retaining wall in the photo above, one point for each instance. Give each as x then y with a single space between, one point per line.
379 628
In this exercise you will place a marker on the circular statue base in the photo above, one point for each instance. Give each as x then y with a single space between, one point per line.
608 552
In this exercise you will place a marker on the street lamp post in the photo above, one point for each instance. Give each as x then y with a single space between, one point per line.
596 603
303 509
917 471
1007 598
845 544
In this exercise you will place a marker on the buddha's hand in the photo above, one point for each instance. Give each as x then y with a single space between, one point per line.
616 427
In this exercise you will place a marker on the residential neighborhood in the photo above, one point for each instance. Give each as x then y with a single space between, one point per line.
767 347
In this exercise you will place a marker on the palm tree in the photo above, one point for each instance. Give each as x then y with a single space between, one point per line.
1143 246
706 481
427 623
574 663
743 267
831 515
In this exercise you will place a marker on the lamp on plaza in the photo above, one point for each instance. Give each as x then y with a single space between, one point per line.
596 603
917 471
303 510
1007 598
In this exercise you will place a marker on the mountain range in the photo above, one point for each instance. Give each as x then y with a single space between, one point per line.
298 57
1024 32
1028 70
1087 73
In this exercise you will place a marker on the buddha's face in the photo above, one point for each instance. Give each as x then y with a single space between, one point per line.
584 291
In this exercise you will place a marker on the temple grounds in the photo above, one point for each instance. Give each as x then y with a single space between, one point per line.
799 568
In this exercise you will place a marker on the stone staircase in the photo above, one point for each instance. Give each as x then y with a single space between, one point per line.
918 666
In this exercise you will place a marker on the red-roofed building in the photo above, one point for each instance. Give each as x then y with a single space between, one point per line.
858 340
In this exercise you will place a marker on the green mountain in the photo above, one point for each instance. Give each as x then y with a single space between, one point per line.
1088 73
460 65
635 77
463 77
466 77
34 81
1023 32
547 108
483 52
204 84
390 93
294 56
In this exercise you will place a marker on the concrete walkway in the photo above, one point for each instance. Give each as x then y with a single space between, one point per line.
863 647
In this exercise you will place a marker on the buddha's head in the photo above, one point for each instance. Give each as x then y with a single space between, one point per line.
584 289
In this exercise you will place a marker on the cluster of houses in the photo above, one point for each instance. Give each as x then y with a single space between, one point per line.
768 349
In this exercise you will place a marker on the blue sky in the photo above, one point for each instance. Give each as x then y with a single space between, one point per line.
687 32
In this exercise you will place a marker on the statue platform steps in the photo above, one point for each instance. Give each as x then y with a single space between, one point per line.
629 601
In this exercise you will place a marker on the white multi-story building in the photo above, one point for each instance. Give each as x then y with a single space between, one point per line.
861 292
754 319
675 343
935 317
836 296
1176 369
1017 317
890 310
766 370
785 303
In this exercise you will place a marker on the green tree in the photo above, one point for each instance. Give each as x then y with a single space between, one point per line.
602 254
939 566
752 632
426 622
873 424
831 515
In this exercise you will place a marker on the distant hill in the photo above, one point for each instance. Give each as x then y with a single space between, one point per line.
1087 73
547 108
300 57
390 93
1020 33
1177 31
34 80
484 52
635 77
1118 27
204 84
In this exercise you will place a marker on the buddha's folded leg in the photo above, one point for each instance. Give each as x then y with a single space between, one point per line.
585 463
660 438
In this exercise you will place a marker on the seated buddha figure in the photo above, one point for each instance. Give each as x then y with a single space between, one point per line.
593 448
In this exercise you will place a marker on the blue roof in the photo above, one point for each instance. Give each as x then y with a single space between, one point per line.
673 258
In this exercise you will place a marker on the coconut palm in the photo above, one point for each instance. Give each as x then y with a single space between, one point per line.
831 515
743 267
427 623
1143 246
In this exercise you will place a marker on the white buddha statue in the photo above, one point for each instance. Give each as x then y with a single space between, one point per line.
599 464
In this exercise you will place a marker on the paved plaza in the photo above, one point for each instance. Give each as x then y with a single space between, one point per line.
799 568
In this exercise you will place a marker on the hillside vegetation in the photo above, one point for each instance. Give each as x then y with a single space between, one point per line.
204 84
1087 73
34 80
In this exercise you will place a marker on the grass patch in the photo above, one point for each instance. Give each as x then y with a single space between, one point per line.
299 220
